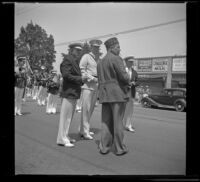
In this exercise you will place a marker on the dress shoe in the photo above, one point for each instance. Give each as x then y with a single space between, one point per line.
122 153
87 137
104 153
72 140
67 144
91 133
131 129
53 111
19 113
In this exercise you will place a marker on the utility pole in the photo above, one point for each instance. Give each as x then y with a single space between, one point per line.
168 83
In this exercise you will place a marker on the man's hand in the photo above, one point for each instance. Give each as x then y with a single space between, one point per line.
84 78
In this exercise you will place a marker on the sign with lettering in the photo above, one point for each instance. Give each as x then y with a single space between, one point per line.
144 65
179 64
160 65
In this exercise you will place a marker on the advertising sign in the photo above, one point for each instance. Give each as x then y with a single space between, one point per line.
135 63
179 64
159 65
144 65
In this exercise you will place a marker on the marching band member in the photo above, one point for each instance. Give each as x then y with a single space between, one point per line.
52 90
42 89
35 85
20 74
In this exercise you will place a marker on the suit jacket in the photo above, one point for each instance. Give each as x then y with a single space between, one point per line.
72 80
113 79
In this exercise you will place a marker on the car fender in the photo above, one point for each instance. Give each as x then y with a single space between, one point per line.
182 101
151 101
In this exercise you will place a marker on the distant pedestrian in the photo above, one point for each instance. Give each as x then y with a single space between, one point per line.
114 84
128 116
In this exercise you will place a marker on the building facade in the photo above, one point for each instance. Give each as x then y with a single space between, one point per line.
157 73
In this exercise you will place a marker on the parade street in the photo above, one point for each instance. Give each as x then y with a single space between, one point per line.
158 146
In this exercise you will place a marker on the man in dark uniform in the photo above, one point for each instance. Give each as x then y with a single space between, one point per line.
71 90
114 84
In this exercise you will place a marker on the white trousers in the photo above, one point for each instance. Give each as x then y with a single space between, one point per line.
42 95
89 98
18 99
51 102
66 116
128 115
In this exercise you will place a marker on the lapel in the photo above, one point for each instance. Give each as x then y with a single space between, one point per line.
74 64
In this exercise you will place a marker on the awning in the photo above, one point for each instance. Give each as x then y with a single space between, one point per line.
153 76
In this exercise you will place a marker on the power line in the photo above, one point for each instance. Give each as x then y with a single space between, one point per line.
123 32
26 10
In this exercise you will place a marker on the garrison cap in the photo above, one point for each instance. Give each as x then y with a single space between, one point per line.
95 42
129 58
110 42
76 45
21 58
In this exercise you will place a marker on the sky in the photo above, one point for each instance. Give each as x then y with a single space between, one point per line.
69 22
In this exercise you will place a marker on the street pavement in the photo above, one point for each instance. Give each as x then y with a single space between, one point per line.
158 146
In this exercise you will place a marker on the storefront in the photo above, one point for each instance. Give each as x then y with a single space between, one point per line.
157 73
179 72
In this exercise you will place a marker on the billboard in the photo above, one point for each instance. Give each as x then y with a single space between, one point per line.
144 65
179 64
160 65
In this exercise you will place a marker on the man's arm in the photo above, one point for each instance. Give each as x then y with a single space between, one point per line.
121 71
66 70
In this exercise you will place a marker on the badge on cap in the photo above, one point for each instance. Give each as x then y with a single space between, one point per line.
95 42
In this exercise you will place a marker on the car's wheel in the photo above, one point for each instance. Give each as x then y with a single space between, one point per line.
179 106
145 103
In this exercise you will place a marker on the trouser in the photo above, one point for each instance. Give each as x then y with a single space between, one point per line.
42 95
79 102
35 91
112 128
18 99
51 102
128 115
89 98
66 116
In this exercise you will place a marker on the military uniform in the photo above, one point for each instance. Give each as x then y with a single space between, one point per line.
113 95
52 90
20 83
88 66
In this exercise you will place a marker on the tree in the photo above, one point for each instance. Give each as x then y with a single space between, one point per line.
34 43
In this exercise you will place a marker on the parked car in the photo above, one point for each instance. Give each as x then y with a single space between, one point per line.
173 98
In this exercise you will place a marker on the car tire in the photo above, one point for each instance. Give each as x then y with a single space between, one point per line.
179 106
145 104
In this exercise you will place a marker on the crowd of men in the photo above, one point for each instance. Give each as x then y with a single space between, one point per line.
84 81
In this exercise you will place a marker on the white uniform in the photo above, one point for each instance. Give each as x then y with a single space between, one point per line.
88 66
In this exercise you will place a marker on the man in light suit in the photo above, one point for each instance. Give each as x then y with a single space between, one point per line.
114 83
128 116
71 90
88 66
